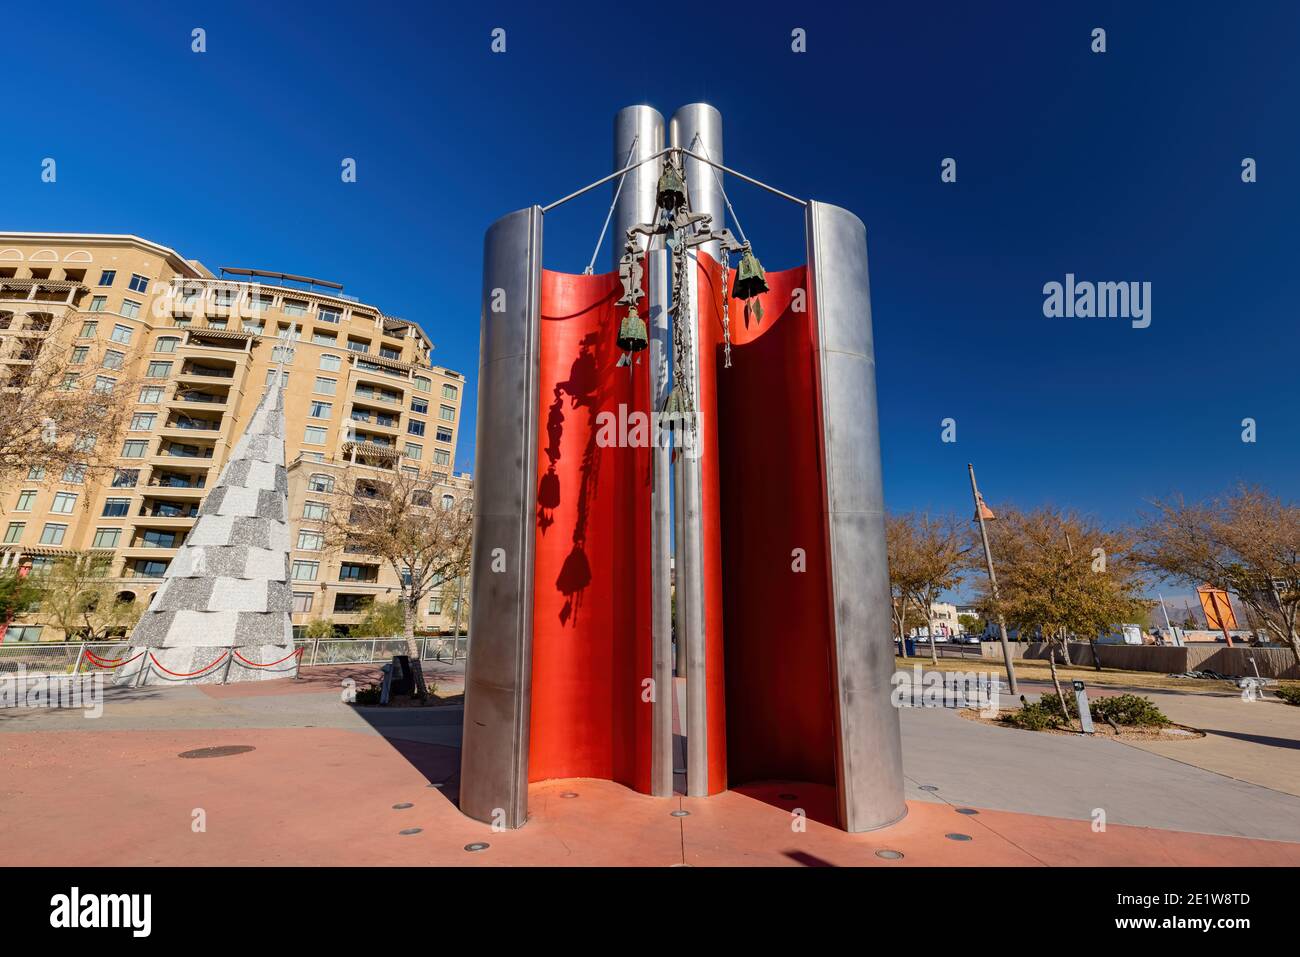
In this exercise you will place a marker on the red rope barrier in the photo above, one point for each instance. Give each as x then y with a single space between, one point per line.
254 664
190 674
109 663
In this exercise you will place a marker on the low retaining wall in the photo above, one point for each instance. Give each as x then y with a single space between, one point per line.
1165 659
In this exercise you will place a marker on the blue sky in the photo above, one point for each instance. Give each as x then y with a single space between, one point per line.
1119 166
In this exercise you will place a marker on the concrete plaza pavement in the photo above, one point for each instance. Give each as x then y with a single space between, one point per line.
321 784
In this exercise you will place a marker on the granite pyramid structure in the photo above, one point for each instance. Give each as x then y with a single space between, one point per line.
223 611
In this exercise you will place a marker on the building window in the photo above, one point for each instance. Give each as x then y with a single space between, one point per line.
305 571
356 345
14 532
270 377
413 451
449 391
158 370
25 500
443 435
446 413
151 394
420 406
89 330
295 307
325 386
107 276
302 601
448 501
116 507
441 457
387 353
130 308
36 473
139 283
315 511
415 427
97 304
134 448
319 410
151 568
125 478
142 421
435 606
79 354
283 354
314 435
319 482
256 328
73 475
122 334
113 359
321 339
52 533
166 344
64 503
352 572
309 541
106 537
153 538
329 363
328 314
423 384
104 383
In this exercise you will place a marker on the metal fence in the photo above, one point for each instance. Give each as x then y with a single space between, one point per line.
72 657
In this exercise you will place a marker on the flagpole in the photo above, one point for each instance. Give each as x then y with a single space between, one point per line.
993 581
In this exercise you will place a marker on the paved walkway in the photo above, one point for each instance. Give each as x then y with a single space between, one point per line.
319 787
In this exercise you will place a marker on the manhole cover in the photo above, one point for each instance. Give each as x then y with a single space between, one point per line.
217 752
477 846
410 830
403 806
568 794
958 837
967 810
681 813
890 855
928 787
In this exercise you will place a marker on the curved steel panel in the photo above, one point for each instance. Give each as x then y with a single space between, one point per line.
494 751
869 758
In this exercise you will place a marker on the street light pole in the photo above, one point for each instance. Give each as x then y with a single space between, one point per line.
993 582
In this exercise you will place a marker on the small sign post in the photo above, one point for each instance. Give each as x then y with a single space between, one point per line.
1081 699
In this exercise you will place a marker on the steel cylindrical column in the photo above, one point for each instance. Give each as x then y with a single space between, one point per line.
498 672
638 133
868 748
698 128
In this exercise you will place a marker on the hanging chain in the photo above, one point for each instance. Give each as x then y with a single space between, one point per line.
726 317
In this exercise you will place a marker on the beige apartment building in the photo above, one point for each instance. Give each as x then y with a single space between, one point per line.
362 393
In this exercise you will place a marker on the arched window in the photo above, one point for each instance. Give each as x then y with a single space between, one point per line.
166 344
320 482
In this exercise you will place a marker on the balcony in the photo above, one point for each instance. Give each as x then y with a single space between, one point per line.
177 485
170 510
184 423
193 370
184 451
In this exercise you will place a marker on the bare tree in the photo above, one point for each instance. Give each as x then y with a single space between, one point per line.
1062 575
1246 542
420 527
78 597
927 556
63 402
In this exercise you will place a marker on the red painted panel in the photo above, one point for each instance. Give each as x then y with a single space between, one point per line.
779 694
591 611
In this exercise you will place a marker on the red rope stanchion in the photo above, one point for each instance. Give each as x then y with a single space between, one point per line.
109 663
190 674
272 664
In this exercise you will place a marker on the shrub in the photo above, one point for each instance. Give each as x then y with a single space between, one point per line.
368 695
1130 710
1289 693
1034 717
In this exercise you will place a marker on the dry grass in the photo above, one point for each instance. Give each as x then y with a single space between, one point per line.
1030 669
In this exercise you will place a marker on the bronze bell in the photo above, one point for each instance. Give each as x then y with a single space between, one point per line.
632 332
671 195
750 278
